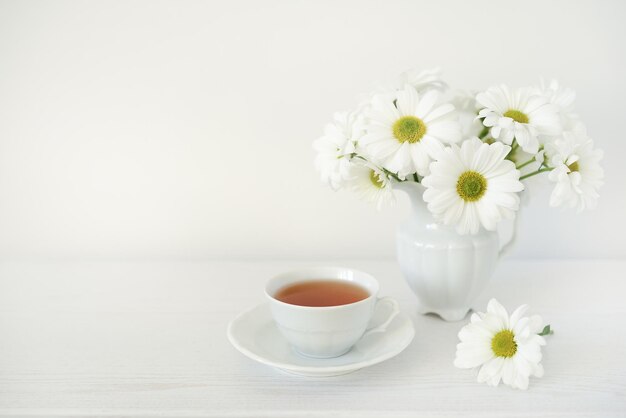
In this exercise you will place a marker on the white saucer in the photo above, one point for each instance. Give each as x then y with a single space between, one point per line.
255 335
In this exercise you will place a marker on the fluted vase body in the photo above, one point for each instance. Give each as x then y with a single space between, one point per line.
446 271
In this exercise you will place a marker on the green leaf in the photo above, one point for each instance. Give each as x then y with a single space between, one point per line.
546 331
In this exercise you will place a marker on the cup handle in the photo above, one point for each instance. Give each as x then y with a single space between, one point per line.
395 310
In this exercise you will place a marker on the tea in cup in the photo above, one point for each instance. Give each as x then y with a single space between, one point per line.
324 311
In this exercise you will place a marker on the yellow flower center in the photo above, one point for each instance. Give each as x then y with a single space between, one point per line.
503 344
471 186
516 115
573 167
409 129
376 180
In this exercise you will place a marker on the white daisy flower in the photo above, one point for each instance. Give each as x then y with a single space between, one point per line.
505 348
465 104
576 171
563 98
422 81
372 185
558 95
519 114
473 185
405 130
336 146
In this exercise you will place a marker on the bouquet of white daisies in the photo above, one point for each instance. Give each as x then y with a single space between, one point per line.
470 152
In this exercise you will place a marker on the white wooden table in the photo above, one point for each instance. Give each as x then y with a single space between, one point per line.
149 339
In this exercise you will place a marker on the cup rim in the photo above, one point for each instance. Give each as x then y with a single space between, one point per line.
296 272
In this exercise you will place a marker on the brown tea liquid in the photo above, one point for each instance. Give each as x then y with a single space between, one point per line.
321 293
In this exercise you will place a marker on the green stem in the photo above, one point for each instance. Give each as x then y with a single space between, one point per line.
534 173
387 172
525 164
417 180
483 133
510 156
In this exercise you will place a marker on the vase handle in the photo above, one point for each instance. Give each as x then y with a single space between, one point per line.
508 240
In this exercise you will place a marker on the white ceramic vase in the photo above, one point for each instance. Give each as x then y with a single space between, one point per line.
446 271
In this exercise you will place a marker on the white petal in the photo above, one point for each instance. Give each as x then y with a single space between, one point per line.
469 222
434 148
520 329
535 324
531 352
508 372
522 365
507 200
420 158
517 315
502 185
488 213
482 158
503 168
426 103
441 113
494 307
472 355
448 131
492 370
475 333
383 110
454 212
408 102
521 381
401 160
444 200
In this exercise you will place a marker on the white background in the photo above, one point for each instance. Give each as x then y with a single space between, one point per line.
183 129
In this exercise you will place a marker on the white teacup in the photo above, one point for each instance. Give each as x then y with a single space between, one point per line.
328 331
